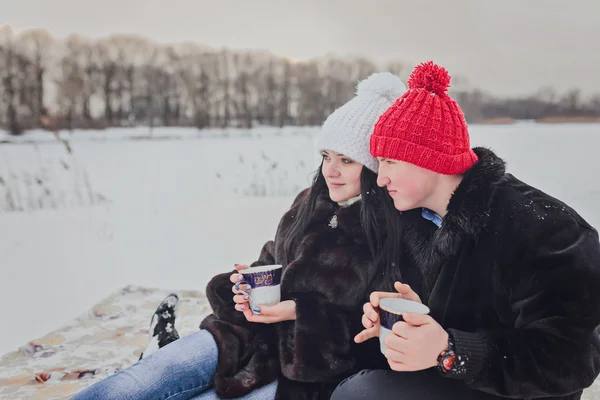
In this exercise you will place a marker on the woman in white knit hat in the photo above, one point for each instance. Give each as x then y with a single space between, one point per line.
327 243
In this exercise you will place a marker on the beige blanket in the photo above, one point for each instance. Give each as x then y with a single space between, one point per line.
109 337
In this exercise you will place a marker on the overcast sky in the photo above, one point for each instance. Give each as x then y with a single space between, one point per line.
507 47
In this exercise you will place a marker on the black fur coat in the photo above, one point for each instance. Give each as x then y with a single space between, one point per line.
514 275
329 279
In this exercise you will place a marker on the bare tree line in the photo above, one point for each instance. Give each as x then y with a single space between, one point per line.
126 80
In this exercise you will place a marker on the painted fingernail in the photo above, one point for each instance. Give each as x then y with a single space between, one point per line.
240 277
235 265
256 309
246 297
248 287
237 286
242 308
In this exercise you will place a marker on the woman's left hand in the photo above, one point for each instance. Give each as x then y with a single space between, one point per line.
284 311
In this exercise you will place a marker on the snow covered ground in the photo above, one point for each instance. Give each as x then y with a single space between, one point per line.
174 208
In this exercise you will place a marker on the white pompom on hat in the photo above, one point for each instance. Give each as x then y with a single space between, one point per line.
348 129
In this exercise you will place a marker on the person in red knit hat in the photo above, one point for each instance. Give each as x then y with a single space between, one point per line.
511 276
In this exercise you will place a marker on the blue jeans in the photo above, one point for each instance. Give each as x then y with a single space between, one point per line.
183 369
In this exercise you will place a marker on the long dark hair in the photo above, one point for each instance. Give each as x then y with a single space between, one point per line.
379 219
306 210
381 224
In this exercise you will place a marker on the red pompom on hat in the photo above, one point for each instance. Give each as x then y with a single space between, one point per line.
425 126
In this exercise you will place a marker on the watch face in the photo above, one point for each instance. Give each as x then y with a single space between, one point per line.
448 361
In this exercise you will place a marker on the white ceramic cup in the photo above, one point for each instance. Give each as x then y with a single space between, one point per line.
390 311
265 283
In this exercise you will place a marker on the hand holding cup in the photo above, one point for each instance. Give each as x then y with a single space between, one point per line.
258 294
370 318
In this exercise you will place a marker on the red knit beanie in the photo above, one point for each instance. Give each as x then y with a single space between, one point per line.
425 127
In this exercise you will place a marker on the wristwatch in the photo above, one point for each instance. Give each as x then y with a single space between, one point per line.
446 361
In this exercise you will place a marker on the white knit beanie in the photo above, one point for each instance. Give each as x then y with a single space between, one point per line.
348 129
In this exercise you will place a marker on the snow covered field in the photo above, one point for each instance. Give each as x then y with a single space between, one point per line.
174 208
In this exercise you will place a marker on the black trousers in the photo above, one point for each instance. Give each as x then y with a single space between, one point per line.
392 385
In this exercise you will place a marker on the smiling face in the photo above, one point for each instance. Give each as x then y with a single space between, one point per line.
409 186
342 175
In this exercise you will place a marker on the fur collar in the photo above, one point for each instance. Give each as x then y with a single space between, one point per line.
467 215
469 207
347 217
